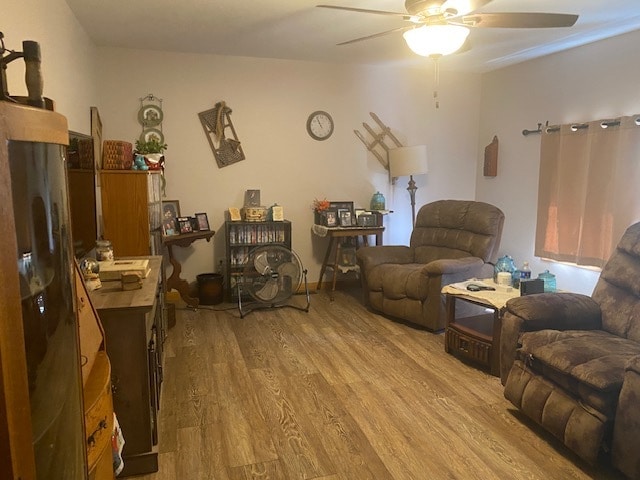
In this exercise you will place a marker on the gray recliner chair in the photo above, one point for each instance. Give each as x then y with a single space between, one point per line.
453 240
571 362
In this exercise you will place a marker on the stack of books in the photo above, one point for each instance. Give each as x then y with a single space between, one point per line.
114 269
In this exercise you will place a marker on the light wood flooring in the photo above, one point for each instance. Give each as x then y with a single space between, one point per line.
338 393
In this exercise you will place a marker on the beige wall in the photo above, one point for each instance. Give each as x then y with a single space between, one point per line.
271 100
595 81
68 56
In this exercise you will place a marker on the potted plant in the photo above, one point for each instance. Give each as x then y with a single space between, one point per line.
144 147
152 150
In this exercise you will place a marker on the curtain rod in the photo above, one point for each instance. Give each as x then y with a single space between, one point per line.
574 127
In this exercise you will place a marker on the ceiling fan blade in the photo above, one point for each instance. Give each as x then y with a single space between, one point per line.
365 10
399 29
518 20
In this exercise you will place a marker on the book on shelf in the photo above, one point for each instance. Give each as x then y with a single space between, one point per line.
113 269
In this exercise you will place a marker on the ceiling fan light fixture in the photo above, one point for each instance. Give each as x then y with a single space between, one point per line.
430 40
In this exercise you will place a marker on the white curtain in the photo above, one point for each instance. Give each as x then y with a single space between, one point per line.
588 192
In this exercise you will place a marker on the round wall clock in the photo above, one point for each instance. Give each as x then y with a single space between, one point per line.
320 125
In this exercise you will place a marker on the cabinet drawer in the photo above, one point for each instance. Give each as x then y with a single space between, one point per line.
98 409
467 346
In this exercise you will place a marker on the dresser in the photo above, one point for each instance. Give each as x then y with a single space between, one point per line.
135 329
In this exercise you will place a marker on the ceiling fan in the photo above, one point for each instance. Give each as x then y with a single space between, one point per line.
441 27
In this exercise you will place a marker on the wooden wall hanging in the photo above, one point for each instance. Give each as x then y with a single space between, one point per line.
491 158
150 116
217 127
378 140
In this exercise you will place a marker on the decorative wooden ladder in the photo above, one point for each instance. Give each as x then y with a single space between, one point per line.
378 140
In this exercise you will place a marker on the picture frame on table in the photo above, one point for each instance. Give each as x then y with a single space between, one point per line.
195 226
345 217
170 208
203 221
367 219
169 227
330 218
341 206
184 225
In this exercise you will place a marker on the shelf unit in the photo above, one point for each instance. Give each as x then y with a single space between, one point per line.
132 211
241 238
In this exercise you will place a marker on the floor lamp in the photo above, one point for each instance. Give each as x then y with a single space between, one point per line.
409 161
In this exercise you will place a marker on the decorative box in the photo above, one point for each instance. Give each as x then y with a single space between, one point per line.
255 214
117 155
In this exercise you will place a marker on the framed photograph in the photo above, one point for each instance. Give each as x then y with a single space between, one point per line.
368 219
252 198
330 218
277 213
341 206
203 221
170 209
357 212
169 227
184 225
195 226
344 217
234 214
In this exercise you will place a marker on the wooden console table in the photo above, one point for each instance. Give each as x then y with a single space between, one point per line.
174 281
342 232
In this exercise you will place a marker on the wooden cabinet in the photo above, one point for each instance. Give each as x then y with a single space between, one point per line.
132 211
135 329
241 238
82 202
41 409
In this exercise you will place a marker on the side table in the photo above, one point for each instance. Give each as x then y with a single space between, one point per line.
174 281
341 232
474 321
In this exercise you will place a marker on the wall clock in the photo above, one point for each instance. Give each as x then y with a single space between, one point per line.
320 125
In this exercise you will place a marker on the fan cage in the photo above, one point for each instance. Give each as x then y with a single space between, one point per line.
272 274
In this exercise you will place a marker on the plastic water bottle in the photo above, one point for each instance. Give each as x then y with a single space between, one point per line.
525 272
521 274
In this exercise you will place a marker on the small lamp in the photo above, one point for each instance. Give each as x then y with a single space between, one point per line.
409 161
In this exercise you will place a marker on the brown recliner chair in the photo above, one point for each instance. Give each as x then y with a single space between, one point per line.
571 362
453 240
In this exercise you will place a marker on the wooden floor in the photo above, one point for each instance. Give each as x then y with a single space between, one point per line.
337 393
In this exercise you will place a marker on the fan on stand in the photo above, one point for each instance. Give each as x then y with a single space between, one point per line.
271 276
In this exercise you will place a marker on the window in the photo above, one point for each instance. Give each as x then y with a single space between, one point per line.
587 192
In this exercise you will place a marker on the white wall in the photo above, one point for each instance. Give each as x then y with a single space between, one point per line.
586 83
270 102
68 56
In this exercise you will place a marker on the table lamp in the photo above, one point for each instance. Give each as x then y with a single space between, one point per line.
409 161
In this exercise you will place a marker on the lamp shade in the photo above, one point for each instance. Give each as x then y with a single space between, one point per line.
431 40
405 161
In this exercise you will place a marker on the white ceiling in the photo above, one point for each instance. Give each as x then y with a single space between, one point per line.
295 29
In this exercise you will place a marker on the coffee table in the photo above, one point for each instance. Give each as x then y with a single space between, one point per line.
474 320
